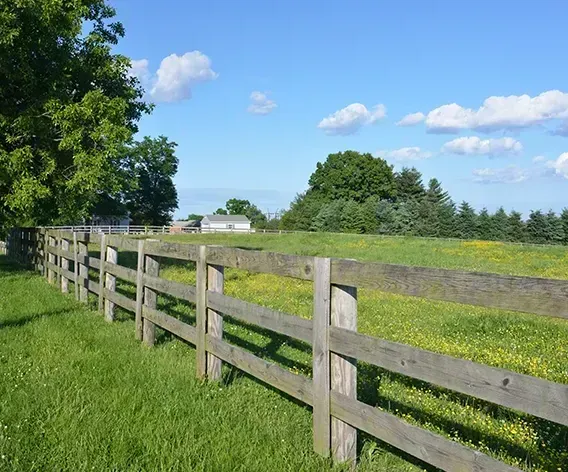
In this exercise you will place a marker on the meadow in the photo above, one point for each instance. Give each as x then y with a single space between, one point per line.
125 407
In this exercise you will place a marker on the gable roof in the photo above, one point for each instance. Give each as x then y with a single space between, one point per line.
228 218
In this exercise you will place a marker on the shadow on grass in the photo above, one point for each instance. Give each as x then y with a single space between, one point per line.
30 319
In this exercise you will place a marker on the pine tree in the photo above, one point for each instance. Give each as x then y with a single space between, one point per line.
447 220
466 223
329 217
500 221
406 217
555 228
428 223
385 217
436 193
484 225
369 215
516 228
351 218
564 221
537 228
409 185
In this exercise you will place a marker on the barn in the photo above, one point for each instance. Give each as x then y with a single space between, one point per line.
225 224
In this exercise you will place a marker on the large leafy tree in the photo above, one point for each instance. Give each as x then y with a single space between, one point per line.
152 196
68 107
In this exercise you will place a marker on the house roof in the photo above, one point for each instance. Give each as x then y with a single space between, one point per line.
227 218
184 223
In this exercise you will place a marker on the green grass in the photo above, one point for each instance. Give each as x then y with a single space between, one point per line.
79 394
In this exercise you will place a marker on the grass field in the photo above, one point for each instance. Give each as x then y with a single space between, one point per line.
147 412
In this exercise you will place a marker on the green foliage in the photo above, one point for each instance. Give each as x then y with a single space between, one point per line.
409 185
352 218
194 216
484 227
369 217
447 220
516 228
68 108
351 175
466 221
236 206
436 193
564 222
537 227
220 211
499 225
152 196
555 228
302 213
329 218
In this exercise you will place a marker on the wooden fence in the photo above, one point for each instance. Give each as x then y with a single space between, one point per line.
332 332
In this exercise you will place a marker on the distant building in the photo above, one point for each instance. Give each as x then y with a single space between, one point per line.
184 226
225 223
109 220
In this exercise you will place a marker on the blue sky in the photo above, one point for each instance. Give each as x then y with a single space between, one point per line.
255 93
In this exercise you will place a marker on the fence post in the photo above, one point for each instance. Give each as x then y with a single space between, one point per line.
150 300
344 372
82 249
110 282
75 267
45 254
215 282
50 272
64 265
139 289
102 258
321 368
201 312
58 259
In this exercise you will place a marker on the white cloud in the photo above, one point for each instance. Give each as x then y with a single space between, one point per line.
411 119
406 154
260 105
176 75
472 145
560 165
351 118
514 111
562 130
538 159
506 175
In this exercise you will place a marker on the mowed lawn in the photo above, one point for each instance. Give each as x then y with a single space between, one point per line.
80 394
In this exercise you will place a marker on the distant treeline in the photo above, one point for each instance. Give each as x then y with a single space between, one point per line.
358 193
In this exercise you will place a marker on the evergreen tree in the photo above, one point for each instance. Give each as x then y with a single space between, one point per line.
428 223
369 215
436 193
466 222
447 220
499 226
564 222
302 213
409 185
537 228
516 228
329 217
385 217
351 218
406 217
555 228
484 226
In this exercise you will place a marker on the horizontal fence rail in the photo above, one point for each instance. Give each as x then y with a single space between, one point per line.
332 331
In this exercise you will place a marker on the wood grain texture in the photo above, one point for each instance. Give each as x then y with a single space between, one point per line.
45 254
300 267
188 252
120 300
296 386
215 283
124 273
527 294
83 261
122 242
139 291
321 358
169 323
201 313
75 266
152 267
65 264
425 445
175 289
51 260
344 373
110 280
283 323
102 256
531 395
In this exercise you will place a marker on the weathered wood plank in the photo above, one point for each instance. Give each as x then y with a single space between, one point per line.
171 324
65 264
102 258
321 370
527 294
122 242
344 373
110 280
51 261
297 386
45 254
201 313
175 289
300 267
531 395
139 290
75 266
83 261
150 300
283 323
215 282
425 445
124 273
120 300
187 252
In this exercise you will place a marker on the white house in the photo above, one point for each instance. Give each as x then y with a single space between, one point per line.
225 224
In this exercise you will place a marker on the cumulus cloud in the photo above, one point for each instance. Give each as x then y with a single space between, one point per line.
538 159
406 154
514 111
260 105
351 118
560 165
473 145
411 119
506 175
175 77
562 130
